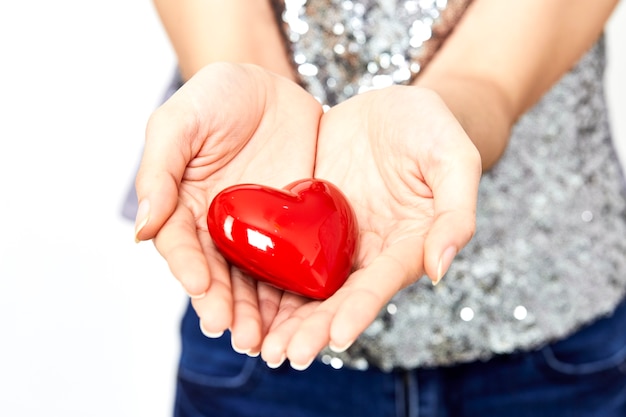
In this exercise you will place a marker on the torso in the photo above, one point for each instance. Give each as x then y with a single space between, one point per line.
549 251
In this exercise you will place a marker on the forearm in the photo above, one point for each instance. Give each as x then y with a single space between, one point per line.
503 56
205 31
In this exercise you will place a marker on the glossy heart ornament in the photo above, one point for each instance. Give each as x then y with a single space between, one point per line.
301 238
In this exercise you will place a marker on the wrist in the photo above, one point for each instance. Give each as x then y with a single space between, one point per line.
481 108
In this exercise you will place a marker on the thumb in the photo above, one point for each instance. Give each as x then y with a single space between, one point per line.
455 193
167 151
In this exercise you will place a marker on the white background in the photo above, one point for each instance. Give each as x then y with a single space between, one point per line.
88 319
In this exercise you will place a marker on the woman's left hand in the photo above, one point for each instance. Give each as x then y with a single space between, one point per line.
411 174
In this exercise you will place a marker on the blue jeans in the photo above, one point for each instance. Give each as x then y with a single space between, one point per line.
582 376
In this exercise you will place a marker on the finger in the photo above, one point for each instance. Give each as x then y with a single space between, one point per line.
256 306
246 328
215 307
309 338
291 312
214 311
269 298
165 157
454 177
178 243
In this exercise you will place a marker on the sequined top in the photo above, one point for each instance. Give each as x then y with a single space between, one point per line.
549 252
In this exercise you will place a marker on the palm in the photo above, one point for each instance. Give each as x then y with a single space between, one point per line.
264 132
379 175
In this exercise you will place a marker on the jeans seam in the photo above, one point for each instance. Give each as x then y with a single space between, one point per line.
401 393
584 368
235 381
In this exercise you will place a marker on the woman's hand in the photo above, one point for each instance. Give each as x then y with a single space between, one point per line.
228 124
412 175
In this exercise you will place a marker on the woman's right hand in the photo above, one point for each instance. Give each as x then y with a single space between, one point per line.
229 124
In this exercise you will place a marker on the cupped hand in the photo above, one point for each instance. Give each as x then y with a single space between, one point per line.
412 175
229 124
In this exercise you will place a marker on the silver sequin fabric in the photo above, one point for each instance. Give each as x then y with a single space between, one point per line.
345 47
549 254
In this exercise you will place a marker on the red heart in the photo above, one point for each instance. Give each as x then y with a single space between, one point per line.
302 238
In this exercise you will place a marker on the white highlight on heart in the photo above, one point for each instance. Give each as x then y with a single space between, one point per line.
228 227
259 240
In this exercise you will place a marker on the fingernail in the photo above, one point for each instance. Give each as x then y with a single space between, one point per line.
236 348
339 349
253 354
301 367
277 364
444 263
143 215
195 296
209 334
